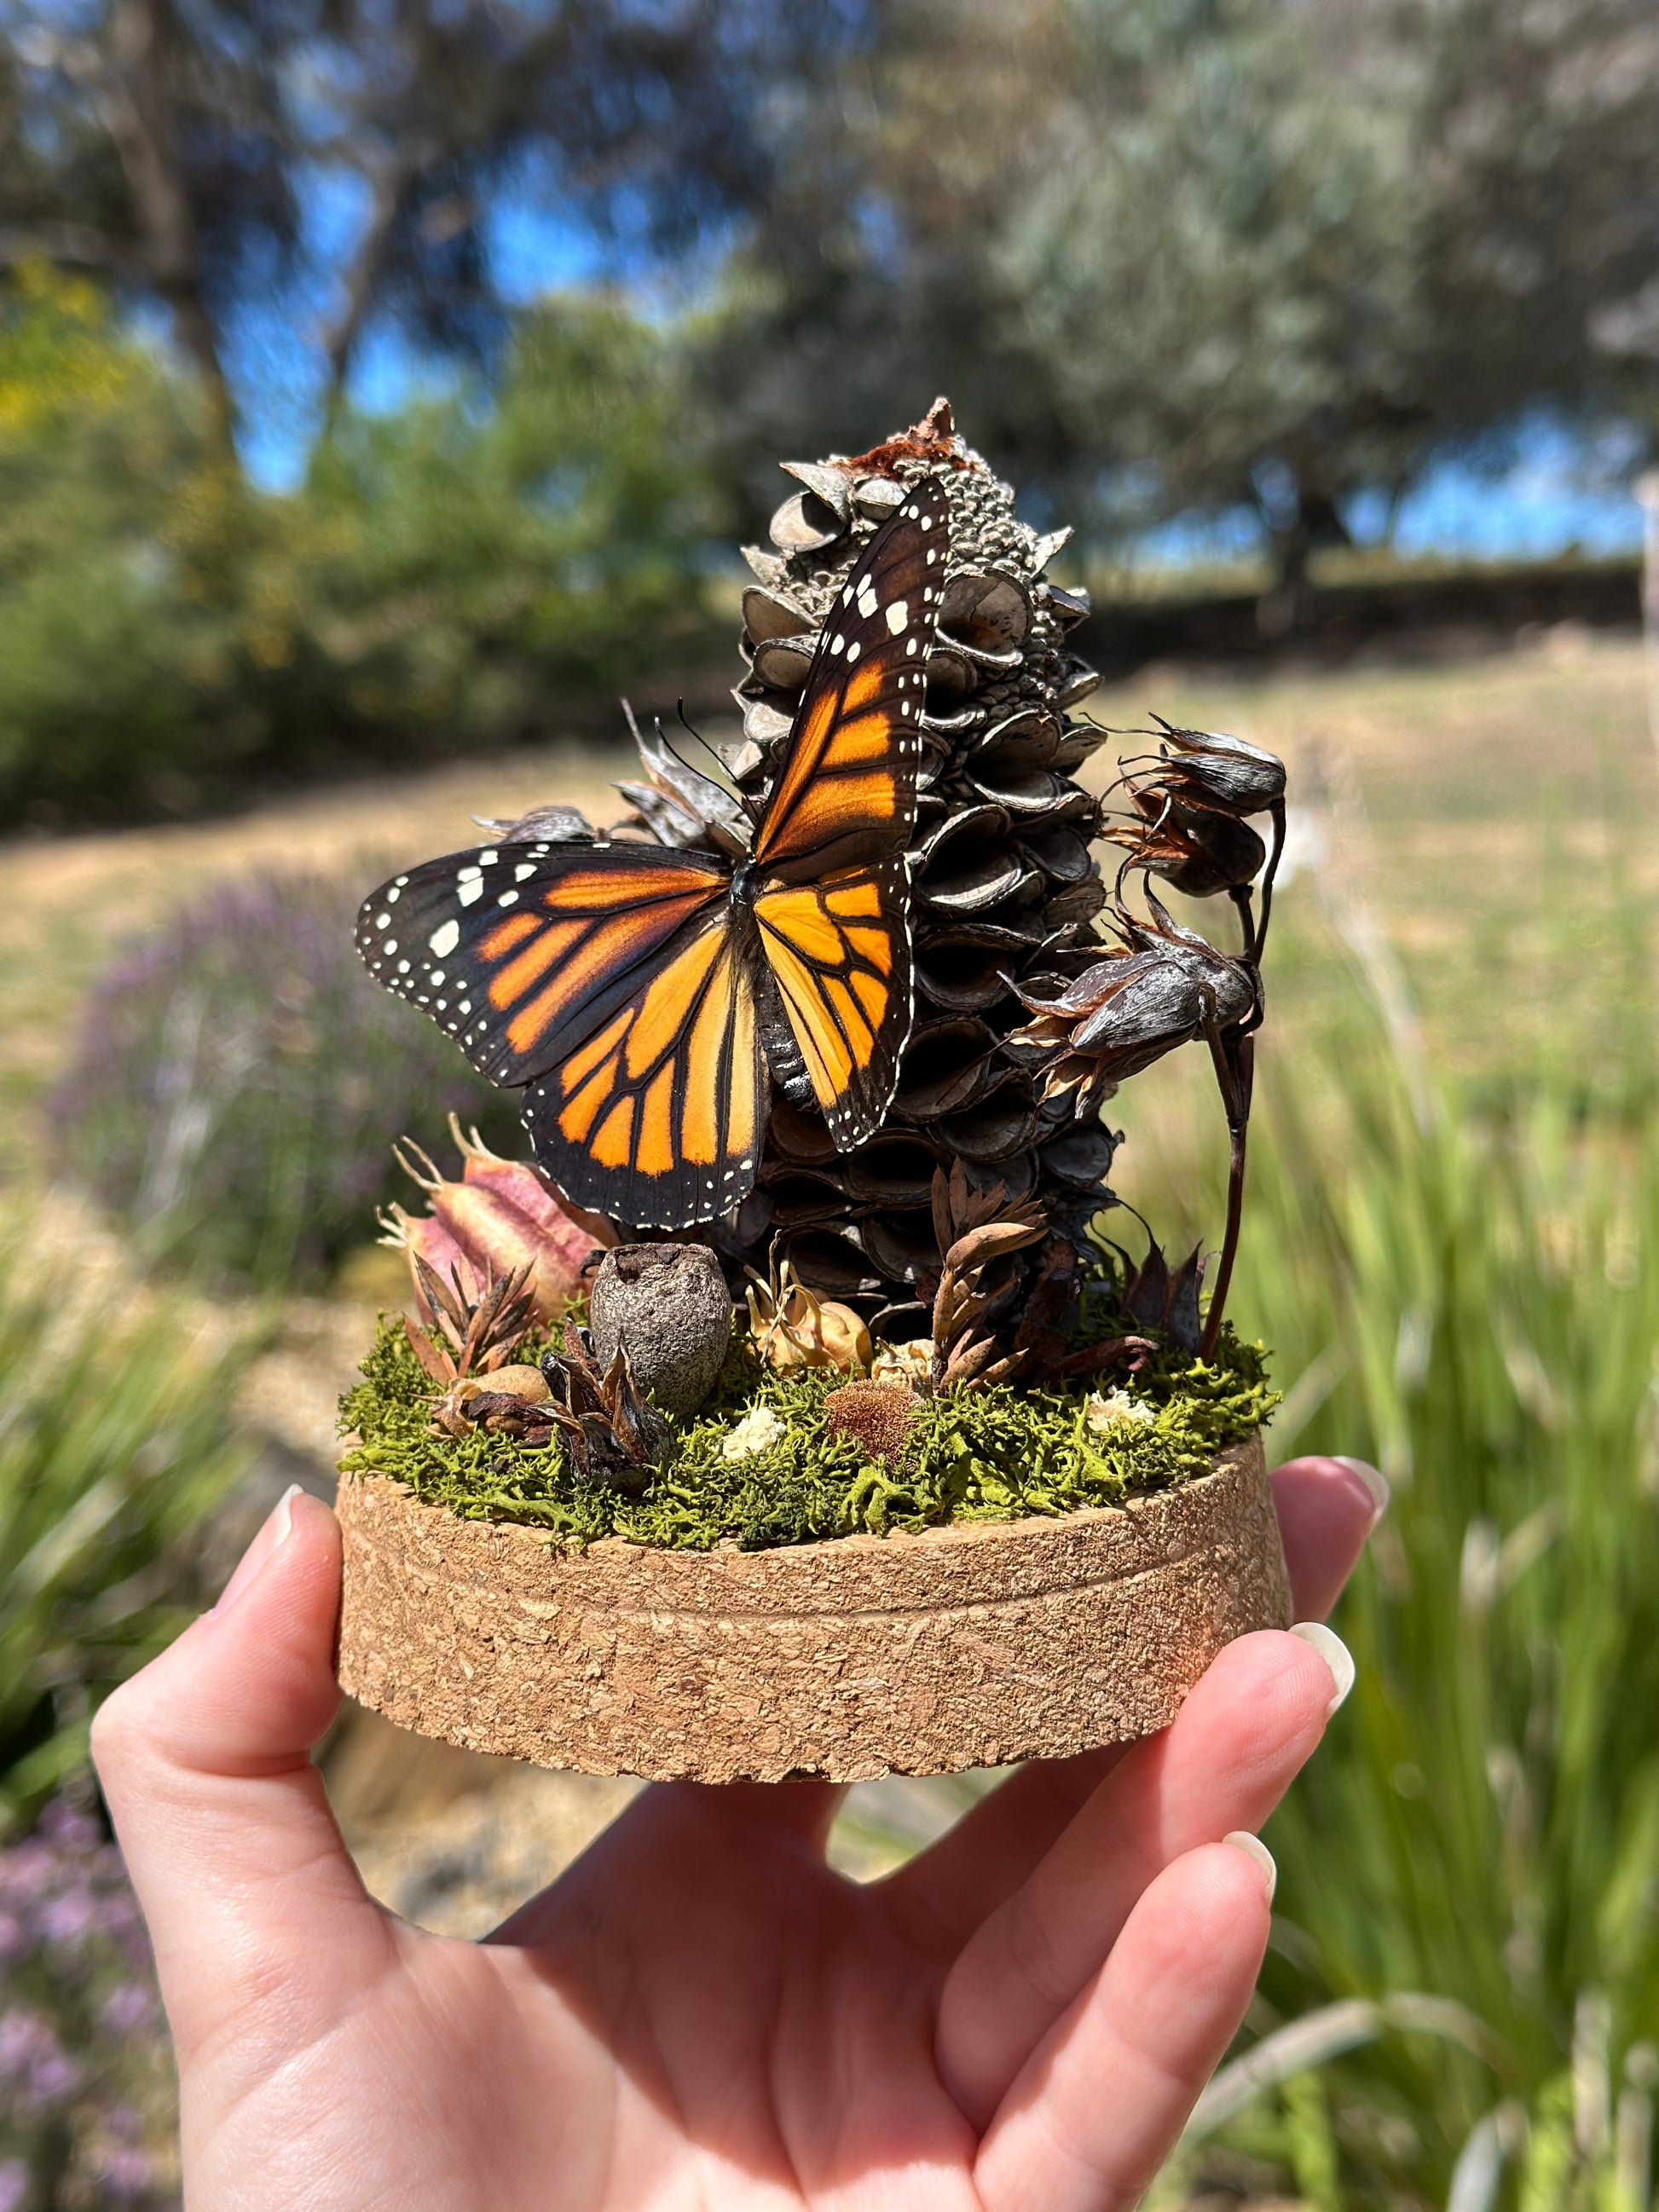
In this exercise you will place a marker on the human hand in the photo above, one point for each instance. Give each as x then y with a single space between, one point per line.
700 2011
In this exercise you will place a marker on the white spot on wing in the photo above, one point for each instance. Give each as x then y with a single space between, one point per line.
898 617
525 868
472 892
507 898
852 653
443 939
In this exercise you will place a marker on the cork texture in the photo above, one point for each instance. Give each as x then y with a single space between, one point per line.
974 1645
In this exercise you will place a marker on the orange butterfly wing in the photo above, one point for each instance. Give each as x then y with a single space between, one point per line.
521 951
833 908
657 1119
608 979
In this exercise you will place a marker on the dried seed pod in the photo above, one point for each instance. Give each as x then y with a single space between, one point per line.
1129 1010
505 1402
1207 769
877 1415
500 1218
614 1435
1198 853
667 1305
791 1327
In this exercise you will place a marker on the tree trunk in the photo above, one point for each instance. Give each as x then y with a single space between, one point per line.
138 109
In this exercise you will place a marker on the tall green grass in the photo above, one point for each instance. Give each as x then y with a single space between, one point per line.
1466 1957
117 1439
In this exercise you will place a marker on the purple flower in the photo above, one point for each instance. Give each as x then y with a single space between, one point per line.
68 1828
14 2184
13 1936
128 2006
28 1872
67 1919
125 2172
40 2069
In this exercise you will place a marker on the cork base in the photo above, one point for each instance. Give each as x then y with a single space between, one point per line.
974 1645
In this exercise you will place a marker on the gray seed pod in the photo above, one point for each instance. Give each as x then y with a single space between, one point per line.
668 1304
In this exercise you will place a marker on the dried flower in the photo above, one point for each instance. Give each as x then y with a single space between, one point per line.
611 1431
1112 1409
877 1415
501 1217
1166 988
975 1227
1214 773
757 1432
473 1332
911 1363
791 1327
1199 852
509 1401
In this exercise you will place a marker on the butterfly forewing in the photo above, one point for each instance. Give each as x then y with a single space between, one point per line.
833 913
521 951
847 790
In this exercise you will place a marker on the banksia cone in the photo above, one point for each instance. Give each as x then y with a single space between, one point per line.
1003 878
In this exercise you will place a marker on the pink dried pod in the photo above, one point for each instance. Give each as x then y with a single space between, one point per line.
500 1217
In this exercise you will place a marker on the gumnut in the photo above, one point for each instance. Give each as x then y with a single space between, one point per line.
668 1307
501 1216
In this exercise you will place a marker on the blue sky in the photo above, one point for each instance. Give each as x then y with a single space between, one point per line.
1555 491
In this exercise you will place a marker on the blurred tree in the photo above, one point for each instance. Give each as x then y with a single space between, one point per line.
183 146
448 577
1170 254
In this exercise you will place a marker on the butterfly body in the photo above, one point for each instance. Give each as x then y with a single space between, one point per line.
647 996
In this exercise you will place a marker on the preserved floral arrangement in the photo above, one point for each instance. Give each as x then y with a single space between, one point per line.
792 1410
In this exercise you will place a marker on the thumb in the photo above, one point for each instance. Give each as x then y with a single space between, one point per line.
205 1762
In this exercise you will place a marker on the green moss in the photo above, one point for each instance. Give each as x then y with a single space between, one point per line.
993 1454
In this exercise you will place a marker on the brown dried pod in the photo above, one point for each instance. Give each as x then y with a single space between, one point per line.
877 1415
614 1435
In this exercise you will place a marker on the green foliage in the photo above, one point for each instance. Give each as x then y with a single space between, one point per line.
994 1454
116 1437
449 577
1469 1297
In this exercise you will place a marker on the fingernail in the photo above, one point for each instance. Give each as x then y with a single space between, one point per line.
1375 1482
1336 1653
1257 1852
277 1528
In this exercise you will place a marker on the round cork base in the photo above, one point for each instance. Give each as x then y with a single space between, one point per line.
974 1645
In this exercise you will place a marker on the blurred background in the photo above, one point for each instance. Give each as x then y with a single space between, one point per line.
385 387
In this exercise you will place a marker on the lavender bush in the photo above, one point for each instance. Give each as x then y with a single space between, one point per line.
238 1082
86 2079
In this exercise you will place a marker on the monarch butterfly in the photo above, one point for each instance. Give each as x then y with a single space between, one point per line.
645 993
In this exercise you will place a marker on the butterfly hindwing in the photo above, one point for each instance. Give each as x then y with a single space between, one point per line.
847 790
521 951
657 1119
839 952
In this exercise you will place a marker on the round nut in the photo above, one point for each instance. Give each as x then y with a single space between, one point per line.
668 1304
